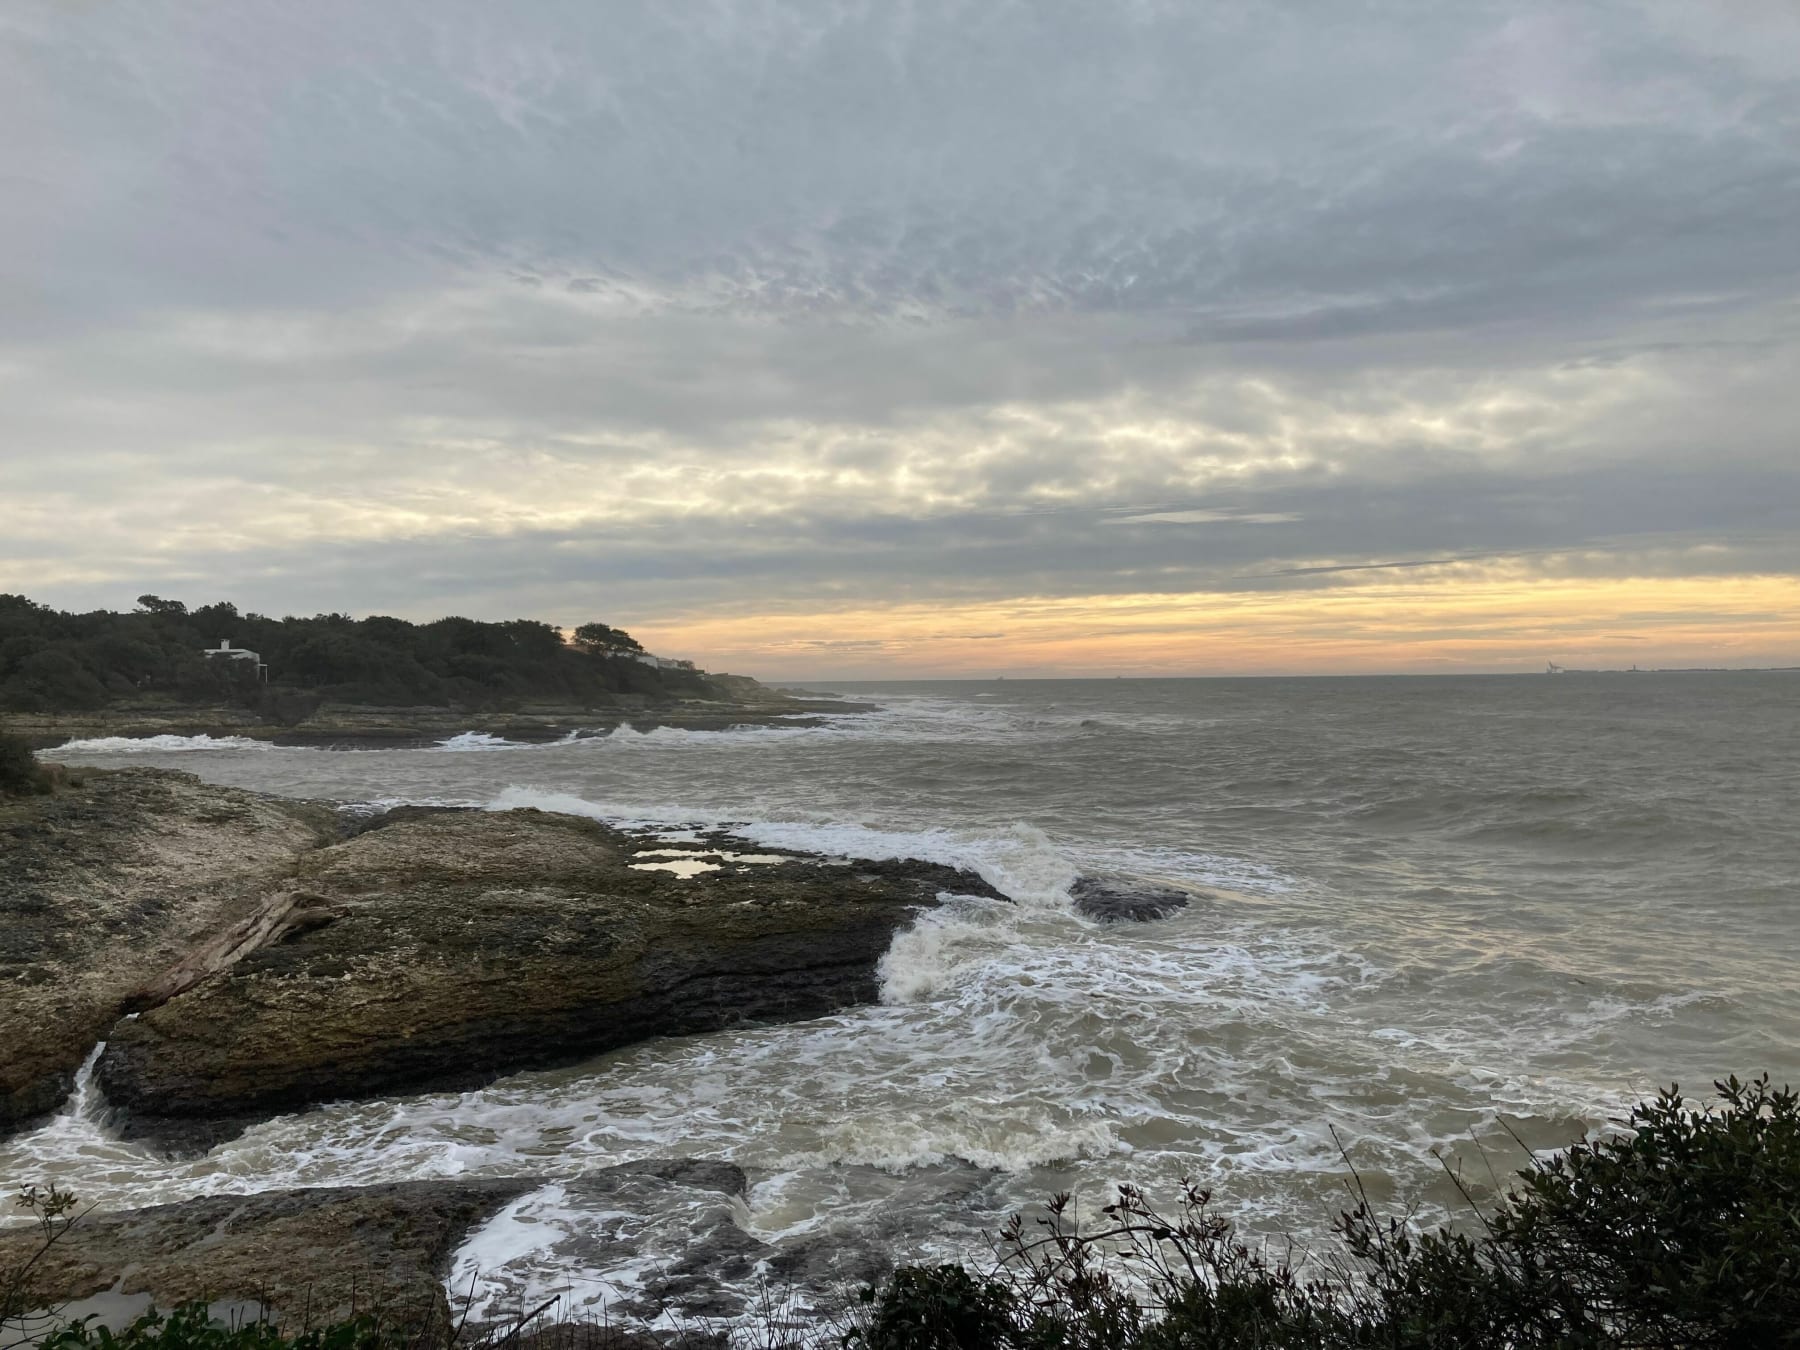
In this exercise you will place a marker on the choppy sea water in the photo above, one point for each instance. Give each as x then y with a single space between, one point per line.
1429 915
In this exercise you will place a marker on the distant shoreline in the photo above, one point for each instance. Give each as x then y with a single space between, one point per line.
1678 670
872 682
357 727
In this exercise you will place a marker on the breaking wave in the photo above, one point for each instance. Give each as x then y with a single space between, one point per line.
158 745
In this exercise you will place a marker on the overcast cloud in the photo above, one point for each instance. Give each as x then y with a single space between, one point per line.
677 313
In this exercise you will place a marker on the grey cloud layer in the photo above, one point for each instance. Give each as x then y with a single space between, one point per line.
415 306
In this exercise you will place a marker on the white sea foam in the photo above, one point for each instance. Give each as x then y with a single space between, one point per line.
1020 861
157 745
77 1135
503 1269
986 1136
587 1257
625 815
478 740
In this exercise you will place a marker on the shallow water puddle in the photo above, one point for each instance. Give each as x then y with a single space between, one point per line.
692 862
681 867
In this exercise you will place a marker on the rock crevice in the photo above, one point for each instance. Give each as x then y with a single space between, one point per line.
107 888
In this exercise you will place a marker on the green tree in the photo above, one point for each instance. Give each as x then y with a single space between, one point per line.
597 638
155 604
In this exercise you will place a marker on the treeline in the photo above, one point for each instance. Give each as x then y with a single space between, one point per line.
54 661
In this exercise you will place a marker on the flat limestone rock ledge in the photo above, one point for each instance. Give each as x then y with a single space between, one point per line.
107 885
444 948
305 1254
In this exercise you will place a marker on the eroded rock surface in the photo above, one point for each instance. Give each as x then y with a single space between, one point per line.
106 886
449 947
312 1254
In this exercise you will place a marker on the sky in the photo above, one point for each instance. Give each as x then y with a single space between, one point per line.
919 338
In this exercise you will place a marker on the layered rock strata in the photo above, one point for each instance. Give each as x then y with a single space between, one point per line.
314 1255
240 956
106 887
444 948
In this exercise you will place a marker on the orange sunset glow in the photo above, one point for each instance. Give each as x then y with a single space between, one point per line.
1452 625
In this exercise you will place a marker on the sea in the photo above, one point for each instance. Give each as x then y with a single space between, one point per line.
1436 924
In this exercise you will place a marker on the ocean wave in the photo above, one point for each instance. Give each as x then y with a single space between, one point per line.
622 815
468 741
1020 861
988 1136
158 745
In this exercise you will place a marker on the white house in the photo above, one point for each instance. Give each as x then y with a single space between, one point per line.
660 662
232 653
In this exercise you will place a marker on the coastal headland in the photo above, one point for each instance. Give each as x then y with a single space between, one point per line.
163 669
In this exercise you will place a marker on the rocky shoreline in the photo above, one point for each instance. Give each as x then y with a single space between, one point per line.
412 1252
353 726
242 955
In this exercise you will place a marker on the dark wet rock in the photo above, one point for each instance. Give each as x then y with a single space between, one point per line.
653 1242
955 1204
665 1241
1123 901
451 947
684 1218
310 1254
107 885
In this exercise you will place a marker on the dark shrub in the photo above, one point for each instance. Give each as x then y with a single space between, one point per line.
1683 1231
19 769
192 1327
1686 1232
939 1308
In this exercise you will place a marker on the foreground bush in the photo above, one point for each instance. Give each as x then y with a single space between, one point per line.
192 1327
20 772
1684 1232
